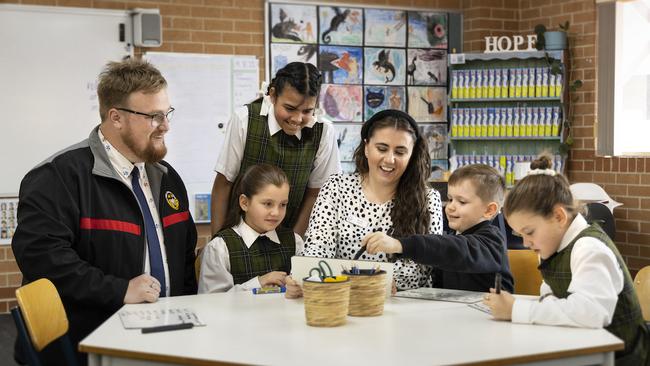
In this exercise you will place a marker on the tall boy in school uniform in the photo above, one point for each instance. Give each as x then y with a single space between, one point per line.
470 259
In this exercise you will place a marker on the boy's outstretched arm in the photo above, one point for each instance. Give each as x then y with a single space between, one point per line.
473 253
380 242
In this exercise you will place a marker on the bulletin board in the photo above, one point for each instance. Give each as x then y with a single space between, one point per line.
49 63
204 90
371 59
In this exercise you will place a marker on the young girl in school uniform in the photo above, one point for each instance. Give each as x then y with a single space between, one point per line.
586 282
254 251
281 129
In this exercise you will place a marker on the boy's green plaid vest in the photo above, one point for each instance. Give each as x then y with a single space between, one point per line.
295 157
627 323
260 258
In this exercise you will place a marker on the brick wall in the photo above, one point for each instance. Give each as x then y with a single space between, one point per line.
197 26
627 180
236 27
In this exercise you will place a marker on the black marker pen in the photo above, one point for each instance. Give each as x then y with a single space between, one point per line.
164 328
497 283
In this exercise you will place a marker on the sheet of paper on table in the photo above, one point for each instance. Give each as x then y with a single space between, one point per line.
145 318
441 294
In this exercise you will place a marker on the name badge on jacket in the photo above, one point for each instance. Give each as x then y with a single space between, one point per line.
357 221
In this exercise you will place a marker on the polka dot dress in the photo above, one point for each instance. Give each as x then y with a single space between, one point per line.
342 216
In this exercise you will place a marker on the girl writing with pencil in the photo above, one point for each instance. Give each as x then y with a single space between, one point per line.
586 283
254 250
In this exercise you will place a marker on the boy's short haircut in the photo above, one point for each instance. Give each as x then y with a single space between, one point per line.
490 185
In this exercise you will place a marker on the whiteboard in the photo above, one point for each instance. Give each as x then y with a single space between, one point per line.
49 63
204 90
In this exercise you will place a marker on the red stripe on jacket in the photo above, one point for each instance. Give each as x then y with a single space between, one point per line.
114 225
175 218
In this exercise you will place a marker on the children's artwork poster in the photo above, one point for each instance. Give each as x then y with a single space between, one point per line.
385 28
438 169
341 65
341 26
437 139
284 53
293 23
348 136
342 102
427 29
370 59
379 98
8 218
202 207
384 66
427 104
426 67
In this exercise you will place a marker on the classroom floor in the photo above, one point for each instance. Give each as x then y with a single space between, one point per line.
7 336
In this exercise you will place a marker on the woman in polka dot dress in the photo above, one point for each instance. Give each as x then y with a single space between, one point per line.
387 193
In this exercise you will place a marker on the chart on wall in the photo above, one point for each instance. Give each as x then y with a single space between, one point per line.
371 59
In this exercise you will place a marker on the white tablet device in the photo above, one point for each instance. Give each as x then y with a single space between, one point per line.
300 267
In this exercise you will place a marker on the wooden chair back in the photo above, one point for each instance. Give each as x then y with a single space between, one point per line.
523 265
642 287
43 312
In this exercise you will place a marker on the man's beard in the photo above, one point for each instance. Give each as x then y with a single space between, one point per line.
150 154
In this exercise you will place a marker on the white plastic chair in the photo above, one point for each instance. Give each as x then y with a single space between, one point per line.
591 192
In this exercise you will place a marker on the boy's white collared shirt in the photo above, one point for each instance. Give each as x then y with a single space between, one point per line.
215 261
229 161
596 281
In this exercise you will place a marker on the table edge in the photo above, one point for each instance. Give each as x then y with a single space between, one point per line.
494 362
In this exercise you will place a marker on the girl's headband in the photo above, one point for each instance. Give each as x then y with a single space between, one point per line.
397 114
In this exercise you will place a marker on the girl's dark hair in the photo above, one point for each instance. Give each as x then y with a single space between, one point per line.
249 183
539 193
304 77
410 212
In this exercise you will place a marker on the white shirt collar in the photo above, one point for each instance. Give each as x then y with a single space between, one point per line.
269 111
249 235
121 164
579 223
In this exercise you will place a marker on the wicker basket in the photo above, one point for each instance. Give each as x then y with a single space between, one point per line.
326 303
367 294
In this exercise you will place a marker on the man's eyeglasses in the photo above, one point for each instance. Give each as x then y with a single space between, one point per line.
156 118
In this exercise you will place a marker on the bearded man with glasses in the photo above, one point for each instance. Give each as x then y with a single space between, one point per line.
107 220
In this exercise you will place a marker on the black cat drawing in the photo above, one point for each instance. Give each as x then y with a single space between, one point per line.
375 98
285 29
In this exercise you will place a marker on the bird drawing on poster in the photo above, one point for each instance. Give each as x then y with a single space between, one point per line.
383 65
410 71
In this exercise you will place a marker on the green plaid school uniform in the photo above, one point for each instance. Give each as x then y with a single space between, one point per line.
627 323
295 157
262 257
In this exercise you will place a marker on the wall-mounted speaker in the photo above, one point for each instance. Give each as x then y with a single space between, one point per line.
147 27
